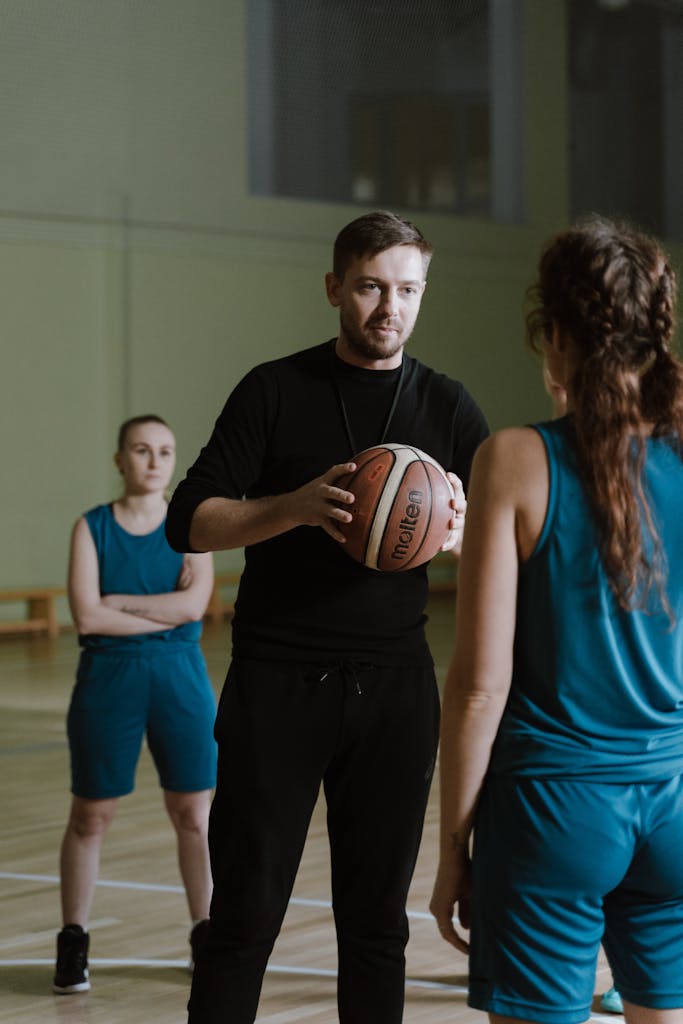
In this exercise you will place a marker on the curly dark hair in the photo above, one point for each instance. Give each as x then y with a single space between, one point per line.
610 288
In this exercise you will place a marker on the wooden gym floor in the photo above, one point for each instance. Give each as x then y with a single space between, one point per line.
139 925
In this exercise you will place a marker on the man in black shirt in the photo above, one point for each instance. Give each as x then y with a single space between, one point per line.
331 679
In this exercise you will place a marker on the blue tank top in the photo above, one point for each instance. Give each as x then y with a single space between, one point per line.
596 692
133 564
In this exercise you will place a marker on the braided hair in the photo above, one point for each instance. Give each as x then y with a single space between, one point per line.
610 288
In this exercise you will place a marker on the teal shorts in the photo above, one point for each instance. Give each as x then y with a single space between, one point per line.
122 696
560 866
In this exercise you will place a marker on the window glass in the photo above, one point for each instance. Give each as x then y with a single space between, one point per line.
388 102
626 111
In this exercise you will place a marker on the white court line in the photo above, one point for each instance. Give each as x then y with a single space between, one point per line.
32 937
125 962
321 972
54 880
317 972
272 968
297 901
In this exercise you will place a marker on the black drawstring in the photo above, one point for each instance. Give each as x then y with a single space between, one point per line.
352 672
349 671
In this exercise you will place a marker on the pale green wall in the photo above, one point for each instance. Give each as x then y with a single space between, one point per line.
101 318
53 388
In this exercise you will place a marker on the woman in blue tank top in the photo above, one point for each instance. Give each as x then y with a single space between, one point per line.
137 606
562 732
610 1001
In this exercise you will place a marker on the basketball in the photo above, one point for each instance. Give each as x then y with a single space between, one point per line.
401 509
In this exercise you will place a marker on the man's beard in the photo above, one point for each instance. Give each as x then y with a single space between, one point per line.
368 348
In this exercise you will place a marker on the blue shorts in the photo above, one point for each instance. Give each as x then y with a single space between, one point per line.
121 696
560 866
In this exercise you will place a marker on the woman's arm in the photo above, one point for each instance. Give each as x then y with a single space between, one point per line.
89 613
186 604
478 682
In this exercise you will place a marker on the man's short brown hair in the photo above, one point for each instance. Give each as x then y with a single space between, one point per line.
373 233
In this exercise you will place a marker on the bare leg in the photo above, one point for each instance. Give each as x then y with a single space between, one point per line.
645 1015
498 1018
633 1014
189 813
79 861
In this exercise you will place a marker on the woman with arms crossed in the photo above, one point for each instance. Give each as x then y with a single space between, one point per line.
562 734
138 608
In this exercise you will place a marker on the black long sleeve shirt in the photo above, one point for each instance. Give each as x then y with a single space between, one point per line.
301 596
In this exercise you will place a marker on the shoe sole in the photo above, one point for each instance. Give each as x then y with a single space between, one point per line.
67 990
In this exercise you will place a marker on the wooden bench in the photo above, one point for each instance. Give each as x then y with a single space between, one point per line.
41 609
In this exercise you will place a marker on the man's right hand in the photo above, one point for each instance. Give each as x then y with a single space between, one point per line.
219 524
318 502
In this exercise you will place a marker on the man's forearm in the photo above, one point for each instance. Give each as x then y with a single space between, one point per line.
219 524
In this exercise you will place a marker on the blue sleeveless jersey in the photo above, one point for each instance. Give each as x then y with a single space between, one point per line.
596 692
132 564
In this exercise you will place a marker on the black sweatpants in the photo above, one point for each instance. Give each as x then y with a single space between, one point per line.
369 734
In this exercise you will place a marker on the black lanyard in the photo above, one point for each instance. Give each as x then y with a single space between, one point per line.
342 404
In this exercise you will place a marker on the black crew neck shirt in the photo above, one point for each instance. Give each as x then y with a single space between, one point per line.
301 597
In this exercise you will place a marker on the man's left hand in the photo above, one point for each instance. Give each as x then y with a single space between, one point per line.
456 525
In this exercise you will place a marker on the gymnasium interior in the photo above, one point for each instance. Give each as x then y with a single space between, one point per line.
174 173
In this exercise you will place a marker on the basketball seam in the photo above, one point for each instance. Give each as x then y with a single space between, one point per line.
387 499
389 492
430 516
404 455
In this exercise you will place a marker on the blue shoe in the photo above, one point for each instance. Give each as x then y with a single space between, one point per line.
611 1001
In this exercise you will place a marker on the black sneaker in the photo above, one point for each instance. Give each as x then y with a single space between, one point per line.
198 939
71 971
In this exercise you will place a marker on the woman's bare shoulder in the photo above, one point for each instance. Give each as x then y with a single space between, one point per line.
512 454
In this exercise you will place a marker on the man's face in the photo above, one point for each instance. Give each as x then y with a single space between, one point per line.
378 300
